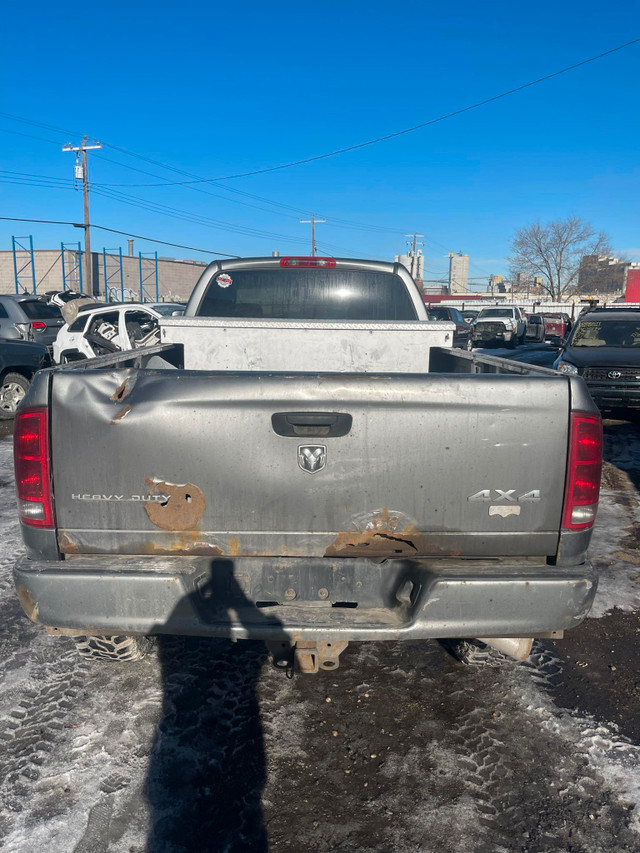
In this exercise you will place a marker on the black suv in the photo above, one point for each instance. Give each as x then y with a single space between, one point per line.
27 317
604 348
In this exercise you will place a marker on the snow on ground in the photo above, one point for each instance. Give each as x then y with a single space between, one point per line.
618 567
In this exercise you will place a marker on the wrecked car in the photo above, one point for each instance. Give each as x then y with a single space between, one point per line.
303 459
103 329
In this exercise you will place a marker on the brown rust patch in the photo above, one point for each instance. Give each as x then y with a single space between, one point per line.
121 414
67 545
29 606
183 509
121 392
383 538
184 544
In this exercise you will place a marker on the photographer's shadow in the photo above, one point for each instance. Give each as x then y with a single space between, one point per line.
207 767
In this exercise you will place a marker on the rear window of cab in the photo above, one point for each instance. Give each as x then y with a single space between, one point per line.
307 294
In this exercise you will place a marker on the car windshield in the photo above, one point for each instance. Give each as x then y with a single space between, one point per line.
36 310
495 312
307 294
606 333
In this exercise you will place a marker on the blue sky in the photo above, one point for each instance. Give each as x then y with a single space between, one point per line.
216 90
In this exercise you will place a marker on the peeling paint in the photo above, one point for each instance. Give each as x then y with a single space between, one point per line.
29 606
181 511
121 414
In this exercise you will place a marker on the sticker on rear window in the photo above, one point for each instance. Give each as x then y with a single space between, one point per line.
224 280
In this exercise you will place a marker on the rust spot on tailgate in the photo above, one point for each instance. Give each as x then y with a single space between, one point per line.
385 535
29 606
380 538
121 392
181 511
371 544
184 543
67 545
121 414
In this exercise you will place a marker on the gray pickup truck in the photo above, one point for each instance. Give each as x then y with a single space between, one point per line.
304 459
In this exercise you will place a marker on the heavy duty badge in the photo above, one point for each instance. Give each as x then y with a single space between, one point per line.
312 457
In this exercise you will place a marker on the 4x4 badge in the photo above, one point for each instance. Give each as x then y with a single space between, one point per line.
312 457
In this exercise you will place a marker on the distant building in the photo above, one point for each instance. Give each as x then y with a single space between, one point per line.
458 273
176 278
598 274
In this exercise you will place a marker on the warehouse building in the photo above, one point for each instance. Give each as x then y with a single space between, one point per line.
138 276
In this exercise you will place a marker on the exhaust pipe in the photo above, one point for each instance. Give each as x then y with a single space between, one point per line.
518 648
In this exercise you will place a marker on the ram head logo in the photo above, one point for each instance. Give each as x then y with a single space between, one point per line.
312 457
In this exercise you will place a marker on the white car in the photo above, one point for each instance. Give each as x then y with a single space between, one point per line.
106 329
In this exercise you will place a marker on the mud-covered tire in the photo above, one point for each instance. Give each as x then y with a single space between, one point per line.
112 648
476 654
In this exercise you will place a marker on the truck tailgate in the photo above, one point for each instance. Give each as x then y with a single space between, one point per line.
180 462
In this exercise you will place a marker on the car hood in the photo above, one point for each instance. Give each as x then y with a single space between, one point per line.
609 356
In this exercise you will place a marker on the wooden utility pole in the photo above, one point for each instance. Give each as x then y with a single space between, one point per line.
312 221
81 171
415 267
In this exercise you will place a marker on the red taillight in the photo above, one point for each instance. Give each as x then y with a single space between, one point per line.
583 472
38 324
326 263
31 458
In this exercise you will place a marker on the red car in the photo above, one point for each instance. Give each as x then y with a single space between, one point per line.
557 326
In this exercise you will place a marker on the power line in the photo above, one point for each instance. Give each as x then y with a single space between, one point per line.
116 231
406 130
187 216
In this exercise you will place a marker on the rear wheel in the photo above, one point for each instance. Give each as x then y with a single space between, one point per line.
12 390
476 653
112 648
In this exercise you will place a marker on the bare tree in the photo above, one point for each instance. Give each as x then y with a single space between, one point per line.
553 252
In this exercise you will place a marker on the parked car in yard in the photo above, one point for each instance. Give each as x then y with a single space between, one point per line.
106 329
499 325
446 314
535 328
604 348
19 362
27 318
557 326
306 461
